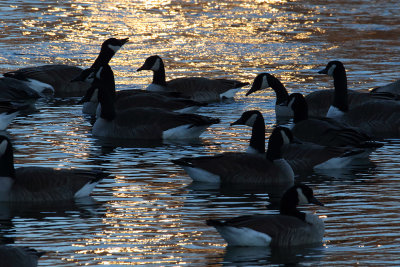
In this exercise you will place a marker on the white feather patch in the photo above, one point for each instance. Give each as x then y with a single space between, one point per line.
283 111
302 198
334 112
230 93
85 190
40 87
156 65
186 131
6 119
243 236
264 83
331 69
201 175
114 48
3 147
251 120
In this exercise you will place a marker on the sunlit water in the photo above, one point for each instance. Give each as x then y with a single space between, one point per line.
149 212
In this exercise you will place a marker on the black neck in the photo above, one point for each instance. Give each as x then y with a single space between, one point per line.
289 203
340 95
106 86
7 163
274 147
293 211
159 75
103 58
282 95
257 140
300 111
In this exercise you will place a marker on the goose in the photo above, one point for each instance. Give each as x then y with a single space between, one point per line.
41 184
318 102
196 88
140 98
13 256
325 131
300 155
242 167
141 122
55 78
289 228
380 119
15 90
392 88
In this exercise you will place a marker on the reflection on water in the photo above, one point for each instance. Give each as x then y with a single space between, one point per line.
149 212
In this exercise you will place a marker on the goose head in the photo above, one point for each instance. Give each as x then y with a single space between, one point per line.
333 68
113 45
262 81
299 194
278 138
153 63
248 118
298 104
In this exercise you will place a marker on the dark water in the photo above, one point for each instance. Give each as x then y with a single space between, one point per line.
149 212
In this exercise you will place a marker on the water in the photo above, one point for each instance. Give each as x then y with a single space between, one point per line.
149 212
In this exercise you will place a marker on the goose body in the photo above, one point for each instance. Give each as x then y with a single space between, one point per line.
126 99
289 228
242 167
15 90
196 88
141 123
40 184
377 118
8 111
56 79
299 155
325 131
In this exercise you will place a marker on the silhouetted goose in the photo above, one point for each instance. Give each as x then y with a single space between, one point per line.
325 131
8 111
13 256
125 99
392 88
299 155
15 90
56 78
40 184
196 88
377 118
241 167
141 123
290 228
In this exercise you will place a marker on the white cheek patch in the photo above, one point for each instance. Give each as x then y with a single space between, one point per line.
250 121
301 196
286 139
331 69
99 72
3 147
114 48
156 65
291 102
264 83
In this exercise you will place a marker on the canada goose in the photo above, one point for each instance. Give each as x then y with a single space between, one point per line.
290 228
196 88
242 167
380 119
15 90
318 102
299 155
141 123
40 184
56 78
393 88
325 131
13 256
8 111
125 99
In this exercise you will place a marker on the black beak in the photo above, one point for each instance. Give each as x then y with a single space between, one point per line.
324 71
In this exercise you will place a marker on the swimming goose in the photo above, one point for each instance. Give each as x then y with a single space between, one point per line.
318 102
13 256
299 155
392 88
15 90
141 122
380 119
289 228
40 184
242 167
56 78
325 131
196 88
